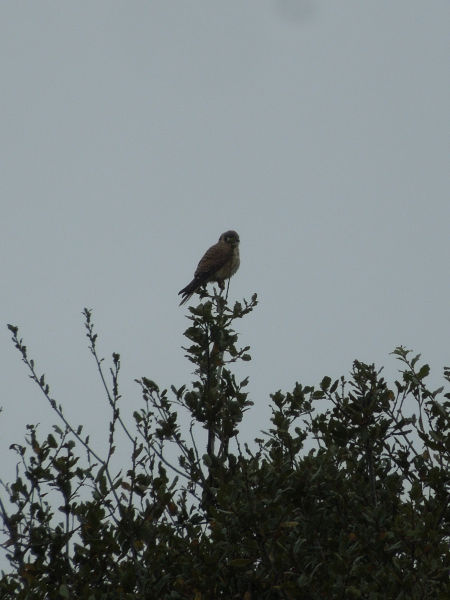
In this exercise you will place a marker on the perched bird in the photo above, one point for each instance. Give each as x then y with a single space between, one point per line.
219 263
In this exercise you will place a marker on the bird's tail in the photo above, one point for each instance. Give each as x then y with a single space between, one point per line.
187 291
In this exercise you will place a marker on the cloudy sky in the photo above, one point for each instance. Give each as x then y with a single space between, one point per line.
134 133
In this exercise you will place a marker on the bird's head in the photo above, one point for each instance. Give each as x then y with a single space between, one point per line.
230 237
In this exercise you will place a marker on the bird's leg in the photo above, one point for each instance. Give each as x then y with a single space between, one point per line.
221 284
228 287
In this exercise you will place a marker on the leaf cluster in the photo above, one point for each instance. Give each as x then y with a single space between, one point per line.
346 495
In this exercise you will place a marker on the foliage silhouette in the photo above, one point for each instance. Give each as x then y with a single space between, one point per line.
345 496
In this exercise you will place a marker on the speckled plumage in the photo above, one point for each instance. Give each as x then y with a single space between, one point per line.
219 263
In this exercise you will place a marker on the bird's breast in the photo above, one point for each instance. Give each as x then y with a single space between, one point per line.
230 267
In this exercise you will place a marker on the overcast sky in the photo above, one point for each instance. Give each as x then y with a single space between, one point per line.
134 133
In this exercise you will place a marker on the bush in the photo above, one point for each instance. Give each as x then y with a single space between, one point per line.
345 496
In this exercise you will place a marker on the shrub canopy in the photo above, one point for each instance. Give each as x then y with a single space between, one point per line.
346 495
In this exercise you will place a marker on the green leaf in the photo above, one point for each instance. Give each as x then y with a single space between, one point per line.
424 372
334 386
13 329
51 441
241 562
325 383
150 385
64 591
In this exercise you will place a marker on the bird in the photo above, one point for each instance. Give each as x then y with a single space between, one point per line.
219 263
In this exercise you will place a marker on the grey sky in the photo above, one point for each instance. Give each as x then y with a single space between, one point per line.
134 133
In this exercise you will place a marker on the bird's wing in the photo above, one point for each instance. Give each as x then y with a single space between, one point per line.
213 260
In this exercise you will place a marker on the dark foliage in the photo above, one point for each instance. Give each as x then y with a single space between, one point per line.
345 496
